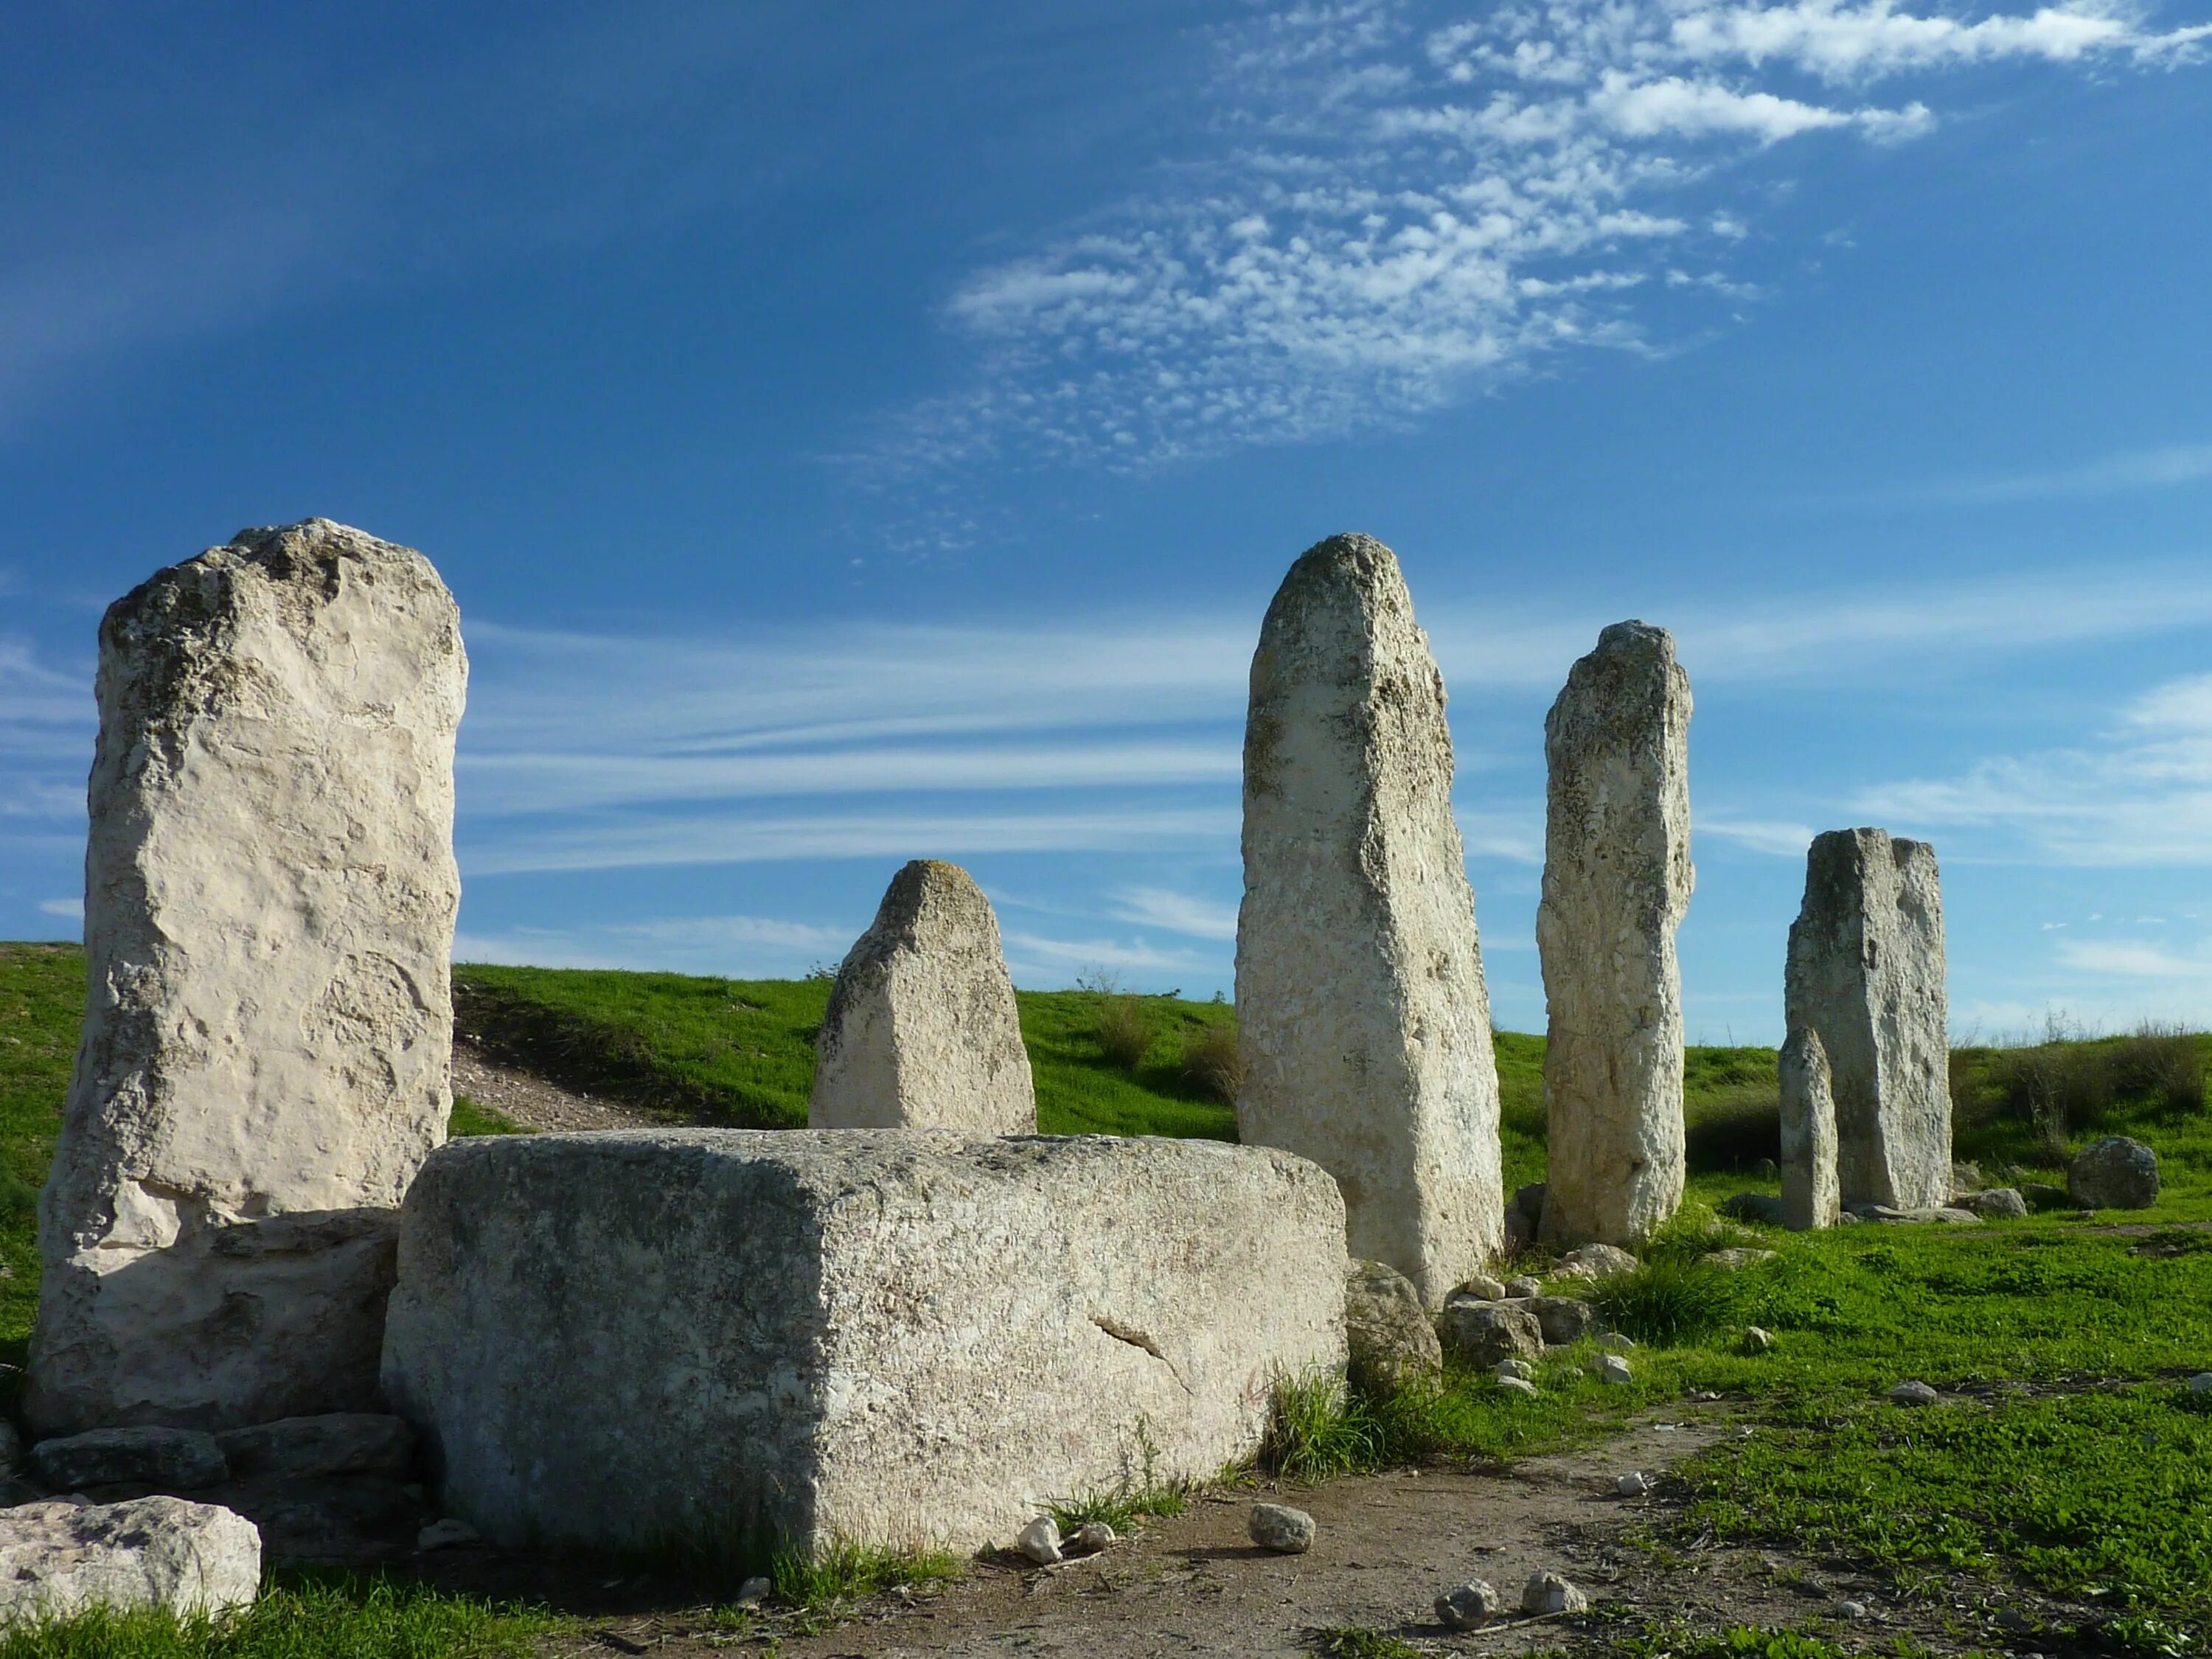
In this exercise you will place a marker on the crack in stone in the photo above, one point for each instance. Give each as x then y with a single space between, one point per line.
1137 1339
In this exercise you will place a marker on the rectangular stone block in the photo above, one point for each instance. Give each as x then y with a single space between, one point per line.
866 1335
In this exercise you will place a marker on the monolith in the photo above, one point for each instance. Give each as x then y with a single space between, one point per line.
922 1031
1866 974
1617 881
1360 997
1810 1197
270 897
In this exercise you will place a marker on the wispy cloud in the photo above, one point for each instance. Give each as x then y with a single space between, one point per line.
1178 913
1759 835
1395 205
2166 468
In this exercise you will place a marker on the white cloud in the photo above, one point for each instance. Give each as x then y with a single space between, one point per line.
1178 913
1760 835
1034 954
71 909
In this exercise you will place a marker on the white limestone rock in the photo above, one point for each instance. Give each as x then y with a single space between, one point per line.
1039 1541
62 1558
888 1338
1390 1337
1810 1195
269 895
922 1031
1866 974
1364 1015
1547 1593
1617 883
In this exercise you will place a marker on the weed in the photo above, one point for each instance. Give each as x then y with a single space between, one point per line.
847 1571
1670 1301
1124 1029
1317 1429
1214 1063
1362 1642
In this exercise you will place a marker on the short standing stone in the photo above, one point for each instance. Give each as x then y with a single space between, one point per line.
2114 1173
1484 1333
60 1558
1391 1338
304 1448
922 1031
269 895
1469 1606
1810 1195
1362 1011
181 1459
1866 974
1547 1593
1280 1528
1039 1541
869 1299
1617 881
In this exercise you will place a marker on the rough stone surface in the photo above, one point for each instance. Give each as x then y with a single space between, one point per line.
269 895
1757 1339
181 1459
1866 974
1914 1392
1612 1368
1485 1332
1562 1319
1482 1287
1039 1541
1389 1336
1523 1286
889 1337
1524 1215
11 1448
1997 1204
1510 1367
341 1442
1520 1385
1469 1606
1548 1593
344 1520
1617 882
60 1558
1280 1528
2114 1173
922 1032
1594 1262
1362 1008
1811 1196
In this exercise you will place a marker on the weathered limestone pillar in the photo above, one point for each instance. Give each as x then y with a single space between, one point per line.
1617 881
922 1031
1359 990
1866 973
270 897
1810 1197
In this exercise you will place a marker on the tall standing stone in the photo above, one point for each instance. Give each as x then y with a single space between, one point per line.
922 1032
270 897
1360 997
1866 973
1810 1196
1617 881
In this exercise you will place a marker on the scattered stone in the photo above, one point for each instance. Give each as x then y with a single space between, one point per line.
2013 1619
754 1591
1520 1385
922 1032
1617 882
1039 1541
1483 1333
1482 1287
1738 1256
1562 1319
1520 1368
1548 1593
265 1061
1757 1339
1866 973
1280 1528
1811 1198
846 1254
1392 1341
62 1557
1635 1484
1914 1394
1524 1286
337 1442
1965 1177
180 1460
1594 1262
1363 1012
1762 1207
1852 1609
1468 1607
1093 1536
451 1533
1615 1342
1998 1204
1610 1368
2113 1173
2201 1384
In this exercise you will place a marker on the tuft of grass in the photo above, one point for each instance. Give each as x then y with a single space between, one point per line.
470 1119
1140 1491
1362 1642
1214 1063
1316 1428
1124 1029
1669 1301
848 1572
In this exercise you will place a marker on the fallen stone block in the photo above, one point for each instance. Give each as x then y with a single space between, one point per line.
180 1460
60 1558
891 1339
339 1443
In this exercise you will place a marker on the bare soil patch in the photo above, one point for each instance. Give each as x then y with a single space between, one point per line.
526 1098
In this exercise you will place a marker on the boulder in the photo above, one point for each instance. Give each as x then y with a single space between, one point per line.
1484 1333
1866 974
60 1558
1562 1319
867 1336
1522 1285
269 900
1362 1012
339 1443
1280 1528
1617 883
2041 1196
178 1460
1810 1195
1039 1541
2114 1173
1612 1368
1390 1338
1997 1204
922 1032
1594 1262
1914 1392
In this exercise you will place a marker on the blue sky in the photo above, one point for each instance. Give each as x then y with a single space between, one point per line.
868 436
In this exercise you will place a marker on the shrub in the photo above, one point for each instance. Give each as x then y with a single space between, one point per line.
1124 1030
1668 1300
1214 1063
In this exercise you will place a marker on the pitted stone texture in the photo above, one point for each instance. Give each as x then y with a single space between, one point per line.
178 1458
1391 1339
1617 882
2114 1173
889 1338
1363 1012
1866 974
60 1558
922 1032
269 895
1810 1195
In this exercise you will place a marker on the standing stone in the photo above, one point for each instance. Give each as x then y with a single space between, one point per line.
1617 881
1360 987
269 895
1866 975
922 1031
1810 1196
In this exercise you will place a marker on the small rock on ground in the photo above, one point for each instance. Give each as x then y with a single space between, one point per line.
1039 1541
1634 1483
1914 1394
1594 1262
1738 1256
1610 1368
1520 1385
1998 1204
1469 1606
1520 1368
1757 1339
1280 1528
1523 1286
1548 1593
1093 1536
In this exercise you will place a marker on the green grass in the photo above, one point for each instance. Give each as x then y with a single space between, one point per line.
470 1119
1362 1642
41 1004
846 1572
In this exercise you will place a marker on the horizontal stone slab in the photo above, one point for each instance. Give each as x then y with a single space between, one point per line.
864 1335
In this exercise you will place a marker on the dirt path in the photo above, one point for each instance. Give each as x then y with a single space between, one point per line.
533 1103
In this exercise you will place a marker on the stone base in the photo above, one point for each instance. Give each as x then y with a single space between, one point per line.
743 1337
